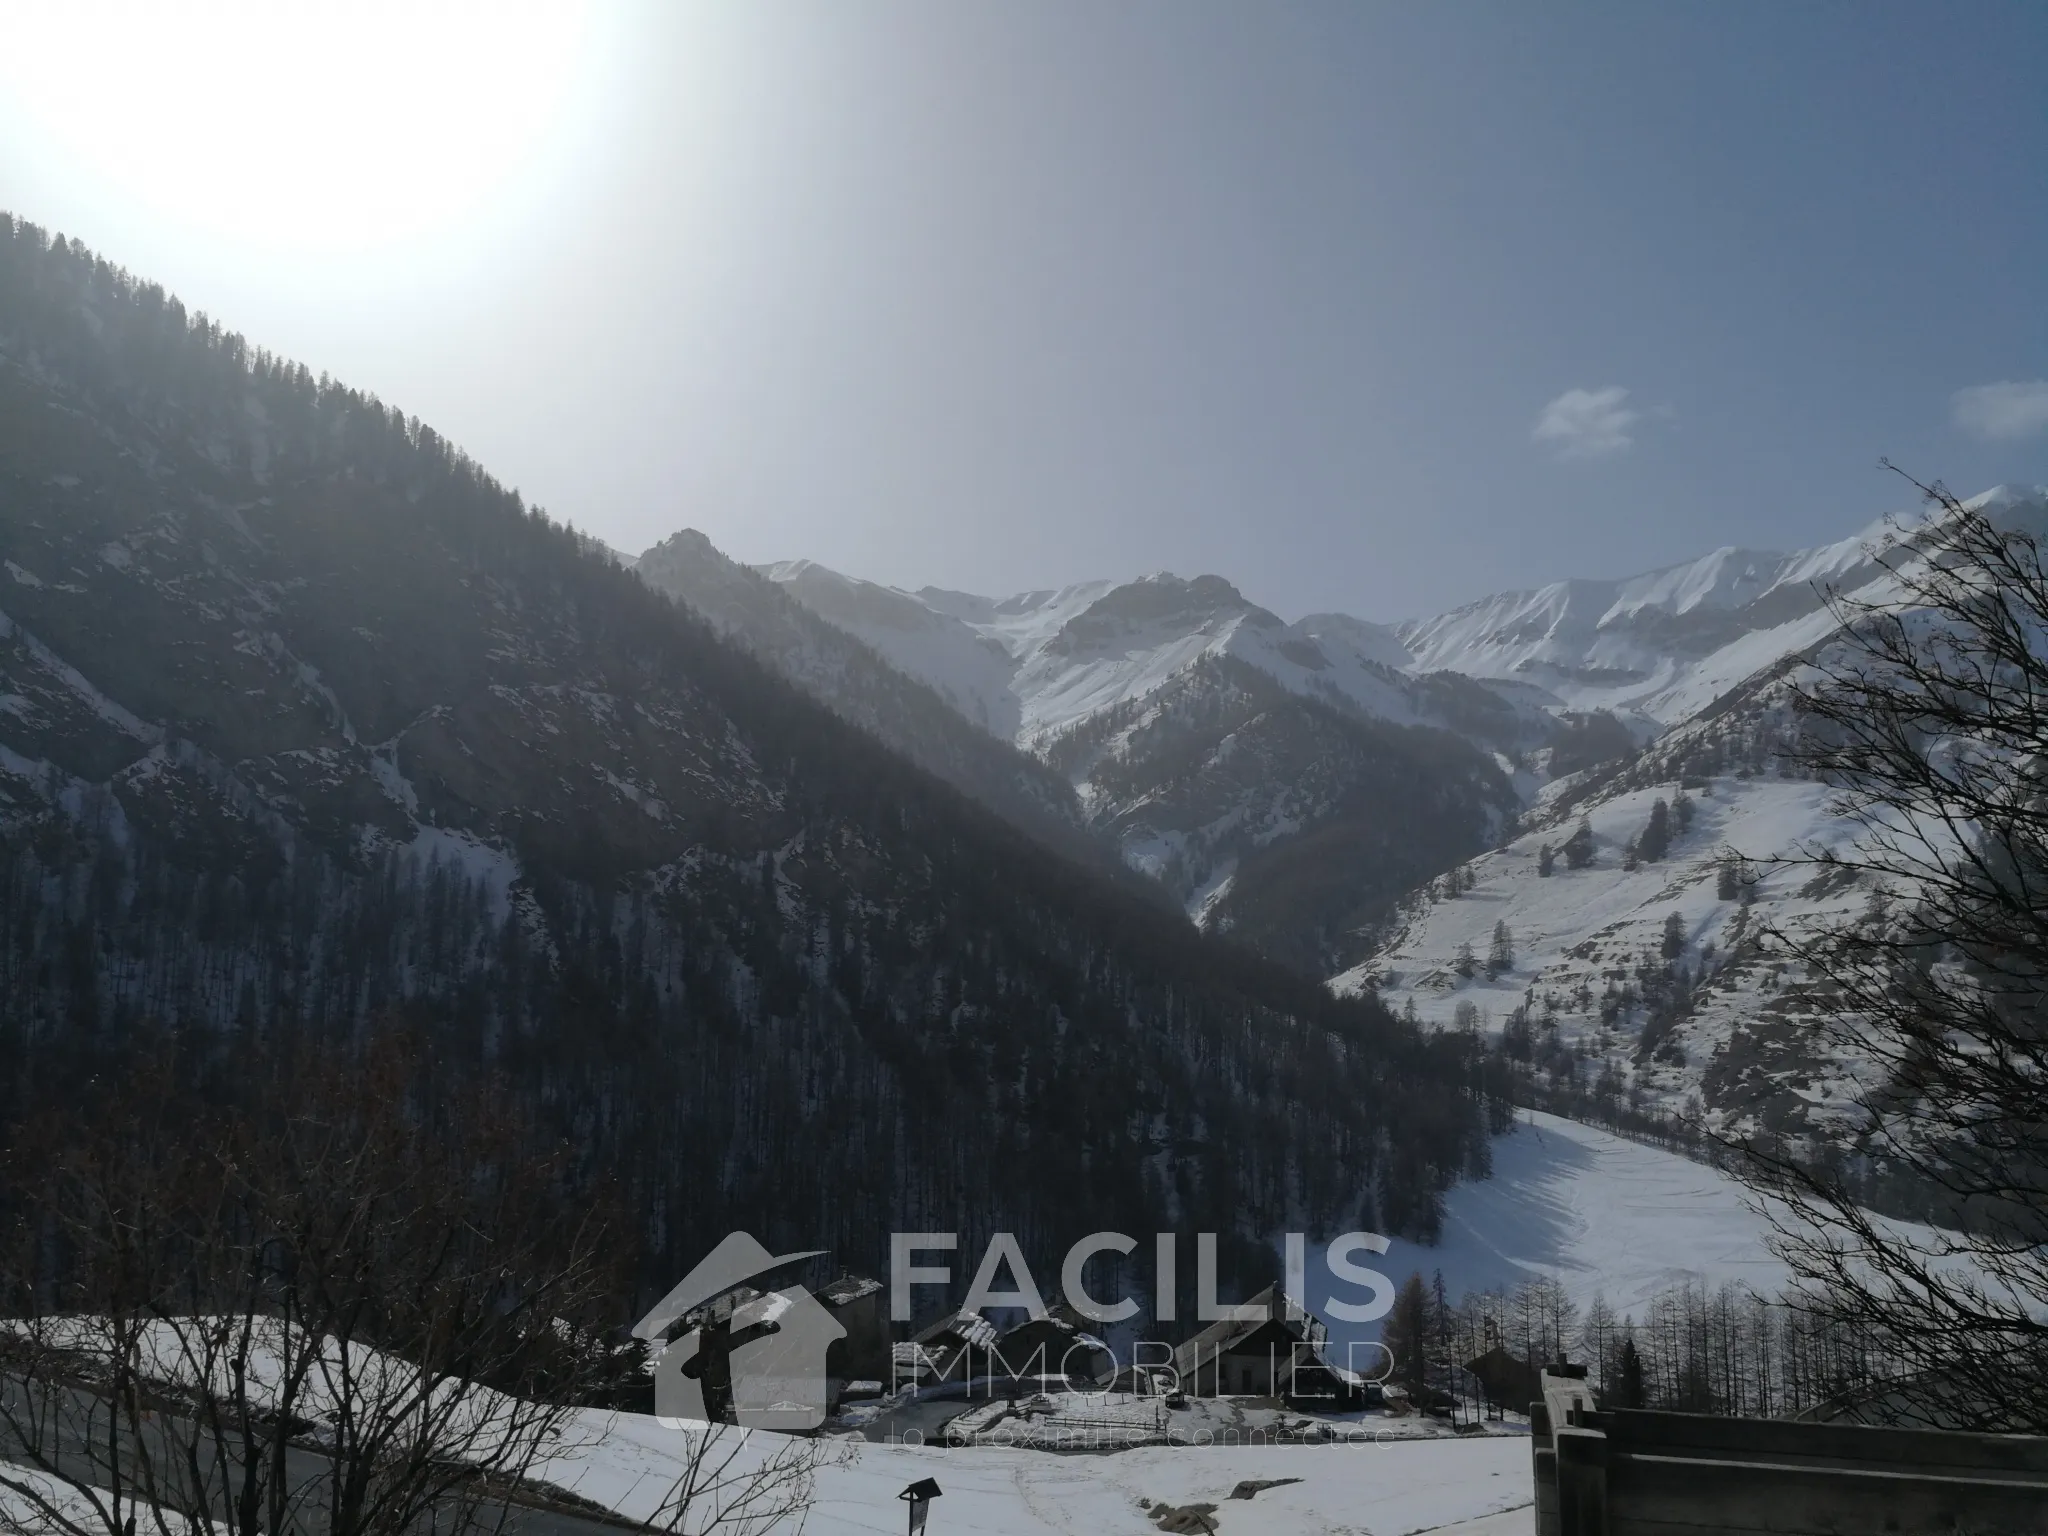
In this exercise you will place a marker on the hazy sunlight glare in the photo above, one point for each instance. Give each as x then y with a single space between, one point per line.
290 127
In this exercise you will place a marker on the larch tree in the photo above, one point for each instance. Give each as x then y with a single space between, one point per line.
1500 954
1928 716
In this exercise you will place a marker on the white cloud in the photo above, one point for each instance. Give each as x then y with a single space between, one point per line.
2002 412
1587 423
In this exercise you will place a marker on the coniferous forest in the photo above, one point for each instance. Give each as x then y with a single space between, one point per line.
313 731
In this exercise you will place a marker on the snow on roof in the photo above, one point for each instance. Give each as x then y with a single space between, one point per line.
968 1327
1226 1333
848 1288
764 1309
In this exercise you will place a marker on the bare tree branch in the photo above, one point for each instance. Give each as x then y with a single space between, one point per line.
1928 715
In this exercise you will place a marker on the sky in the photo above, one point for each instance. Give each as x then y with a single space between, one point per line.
1367 307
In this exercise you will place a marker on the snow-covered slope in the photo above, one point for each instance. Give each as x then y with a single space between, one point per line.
1646 976
829 661
1474 1486
1288 822
1610 982
1656 647
1668 642
1601 1215
1041 662
1200 730
1165 703
969 668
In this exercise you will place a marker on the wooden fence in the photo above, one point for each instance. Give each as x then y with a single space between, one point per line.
1629 1472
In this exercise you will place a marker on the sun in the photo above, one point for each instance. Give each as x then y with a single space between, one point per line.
290 126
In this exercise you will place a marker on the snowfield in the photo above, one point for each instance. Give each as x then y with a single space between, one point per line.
1474 1487
1578 932
1404 1478
1601 1215
1029 666
1606 1216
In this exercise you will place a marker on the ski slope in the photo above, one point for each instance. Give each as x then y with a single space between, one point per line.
1601 1215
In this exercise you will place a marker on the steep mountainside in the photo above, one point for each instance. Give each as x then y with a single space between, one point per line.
1639 979
1042 663
964 663
1632 968
853 680
1286 822
305 722
1660 646
1258 768
1283 781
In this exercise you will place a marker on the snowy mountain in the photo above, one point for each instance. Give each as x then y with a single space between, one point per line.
1626 960
1288 822
1663 645
309 726
966 666
1305 786
1644 982
1269 772
833 665
1245 762
1039 663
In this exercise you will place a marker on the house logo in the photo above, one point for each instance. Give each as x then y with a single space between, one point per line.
760 1353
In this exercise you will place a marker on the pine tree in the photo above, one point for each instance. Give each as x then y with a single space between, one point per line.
1405 1335
1466 963
1628 1386
1578 848
1546 861
1674 936
1727 881
1500 955
1656 838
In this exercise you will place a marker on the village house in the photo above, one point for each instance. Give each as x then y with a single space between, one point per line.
1054 1352
1278 1354
958 1347
863 1355
1506 1381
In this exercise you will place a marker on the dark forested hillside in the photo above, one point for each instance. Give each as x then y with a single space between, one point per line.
1290 823
306 724
854 681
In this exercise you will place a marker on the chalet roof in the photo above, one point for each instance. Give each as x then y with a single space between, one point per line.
769 1306
907 1357
734 1262
720 1308
1220 1337
965 1327
848 1288
1049 1323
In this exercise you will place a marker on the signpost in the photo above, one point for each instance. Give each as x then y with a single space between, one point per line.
919 1496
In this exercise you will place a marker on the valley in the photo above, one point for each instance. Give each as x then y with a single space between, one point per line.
1042 770
1372 802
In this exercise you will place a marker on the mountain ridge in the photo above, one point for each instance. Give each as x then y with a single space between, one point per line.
1190 722
1629 973
308 725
